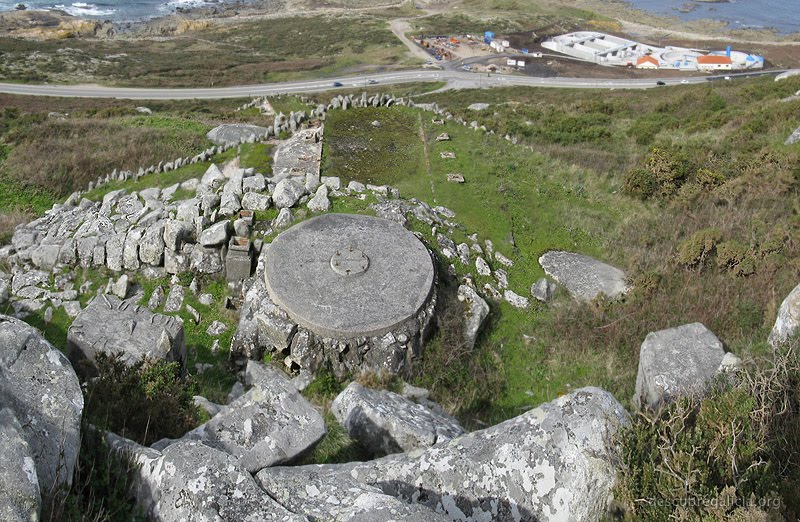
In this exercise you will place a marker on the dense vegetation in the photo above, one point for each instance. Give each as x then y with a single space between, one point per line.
228 52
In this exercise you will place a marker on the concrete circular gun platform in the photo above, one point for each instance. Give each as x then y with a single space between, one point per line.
345 276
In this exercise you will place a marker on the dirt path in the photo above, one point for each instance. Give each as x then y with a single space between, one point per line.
400 27
427 157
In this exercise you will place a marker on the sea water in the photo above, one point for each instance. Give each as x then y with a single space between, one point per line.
116 10
781 15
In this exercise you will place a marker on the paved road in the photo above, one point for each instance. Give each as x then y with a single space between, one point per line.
454 79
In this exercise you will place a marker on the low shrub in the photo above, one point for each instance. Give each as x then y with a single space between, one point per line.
145 402
694 251
733 454
639 183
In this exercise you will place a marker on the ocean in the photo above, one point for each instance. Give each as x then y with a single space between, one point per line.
116 10
781 15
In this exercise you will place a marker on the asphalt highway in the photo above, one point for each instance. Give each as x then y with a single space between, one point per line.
455 79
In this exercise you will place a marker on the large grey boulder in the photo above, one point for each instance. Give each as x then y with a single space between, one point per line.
475 312
788 319
287 192
584 277
674 362
21 500
385 422
191 481
555 462
216 235
270 424
39 385
111 325
235 133
340 498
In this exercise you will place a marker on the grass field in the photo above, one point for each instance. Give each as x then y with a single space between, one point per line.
565 188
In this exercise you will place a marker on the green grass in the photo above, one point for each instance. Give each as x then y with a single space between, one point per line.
510 193
257 156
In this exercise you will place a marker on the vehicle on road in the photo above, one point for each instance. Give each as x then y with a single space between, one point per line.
684 81
728 78
659 82
372 81
337 84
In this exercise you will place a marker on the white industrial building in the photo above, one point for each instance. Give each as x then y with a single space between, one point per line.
607 49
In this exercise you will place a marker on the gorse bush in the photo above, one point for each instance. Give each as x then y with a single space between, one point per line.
145 402
698 248
733 454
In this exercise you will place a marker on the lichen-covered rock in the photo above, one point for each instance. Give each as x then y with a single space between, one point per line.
191 481
205 260
20 500
674 362
216 235
287 192
320 201
111 325
515 300
585 278
340 498
788 319
475 312
151 246
39 385
270 424
385 422
256 201
555 462
176 233
262 325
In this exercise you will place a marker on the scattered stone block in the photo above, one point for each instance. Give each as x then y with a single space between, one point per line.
788 319
270 424
543 289
239 259
111 325
551 463
475 312
675 362
585 278
385 422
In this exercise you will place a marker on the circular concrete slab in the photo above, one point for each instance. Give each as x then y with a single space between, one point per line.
345 276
